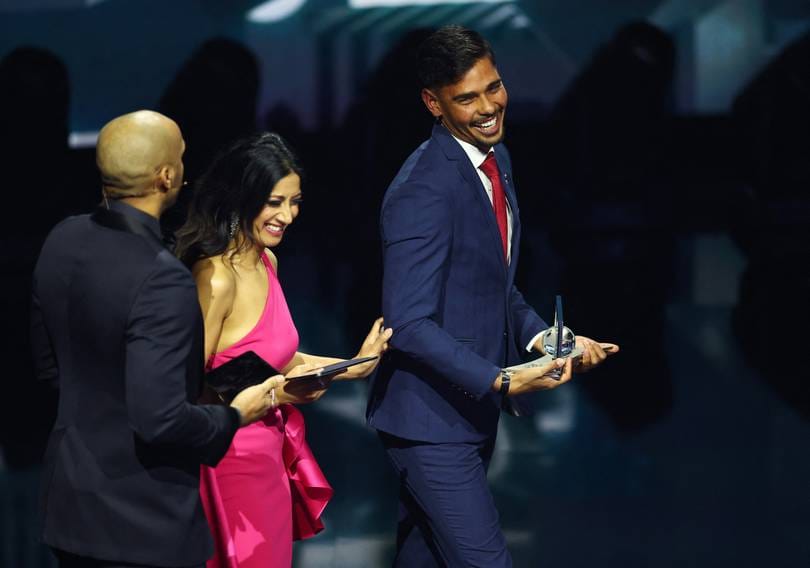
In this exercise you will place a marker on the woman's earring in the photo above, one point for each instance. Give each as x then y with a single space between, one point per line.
233 226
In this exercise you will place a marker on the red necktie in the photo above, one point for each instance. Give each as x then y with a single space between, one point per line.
490 169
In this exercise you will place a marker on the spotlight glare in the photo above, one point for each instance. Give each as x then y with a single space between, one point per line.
274 11
83 139
359 4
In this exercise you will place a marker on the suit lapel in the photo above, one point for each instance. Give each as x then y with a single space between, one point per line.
511 197
455 153
493 233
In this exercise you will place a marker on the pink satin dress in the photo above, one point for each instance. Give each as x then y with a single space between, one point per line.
268 489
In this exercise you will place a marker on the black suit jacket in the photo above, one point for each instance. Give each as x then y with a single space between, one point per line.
117 325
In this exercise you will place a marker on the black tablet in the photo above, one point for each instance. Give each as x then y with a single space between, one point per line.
334 368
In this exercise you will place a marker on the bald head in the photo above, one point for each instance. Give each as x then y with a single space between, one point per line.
140 154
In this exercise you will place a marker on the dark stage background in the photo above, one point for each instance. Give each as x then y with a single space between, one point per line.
662 156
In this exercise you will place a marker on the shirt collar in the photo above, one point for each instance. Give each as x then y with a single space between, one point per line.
135 214
475 155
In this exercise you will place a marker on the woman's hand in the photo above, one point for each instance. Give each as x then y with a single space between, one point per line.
375 344
302 391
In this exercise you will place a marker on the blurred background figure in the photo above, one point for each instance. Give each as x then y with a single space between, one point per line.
383 122
772 118
43 181
213 100
34 152
612 213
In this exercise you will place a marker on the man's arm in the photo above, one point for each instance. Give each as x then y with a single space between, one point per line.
527 325
162 324
417 238
44 359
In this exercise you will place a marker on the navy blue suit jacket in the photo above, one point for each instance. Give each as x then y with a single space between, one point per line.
117 325
449 296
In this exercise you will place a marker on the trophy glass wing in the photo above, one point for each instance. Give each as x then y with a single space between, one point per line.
558 341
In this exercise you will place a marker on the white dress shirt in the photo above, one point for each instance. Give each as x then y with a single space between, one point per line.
477 158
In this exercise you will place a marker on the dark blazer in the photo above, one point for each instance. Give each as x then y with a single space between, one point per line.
117 325
449 296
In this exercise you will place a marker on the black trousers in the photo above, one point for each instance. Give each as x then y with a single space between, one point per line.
68 560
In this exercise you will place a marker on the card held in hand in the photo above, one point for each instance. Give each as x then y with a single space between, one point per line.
241 372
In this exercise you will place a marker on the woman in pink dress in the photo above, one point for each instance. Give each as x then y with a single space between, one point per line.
268 489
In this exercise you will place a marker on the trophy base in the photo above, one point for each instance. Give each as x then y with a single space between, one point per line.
545 360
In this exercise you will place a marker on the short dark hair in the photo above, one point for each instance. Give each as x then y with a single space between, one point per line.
448 53
234 188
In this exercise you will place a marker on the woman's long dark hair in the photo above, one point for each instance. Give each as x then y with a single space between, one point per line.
234 188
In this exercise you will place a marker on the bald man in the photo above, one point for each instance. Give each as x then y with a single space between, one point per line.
117 328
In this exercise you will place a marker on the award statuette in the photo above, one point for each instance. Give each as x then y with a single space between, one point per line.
558 341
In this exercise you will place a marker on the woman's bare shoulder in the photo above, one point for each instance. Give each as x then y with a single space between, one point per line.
215 274
272 258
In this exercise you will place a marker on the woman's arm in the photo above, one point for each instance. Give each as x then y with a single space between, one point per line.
375 344
312 361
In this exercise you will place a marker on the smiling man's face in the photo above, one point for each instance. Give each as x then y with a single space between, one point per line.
473 108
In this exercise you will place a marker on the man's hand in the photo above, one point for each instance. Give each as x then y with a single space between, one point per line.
593 353
254 402
537 378
375 344
302 391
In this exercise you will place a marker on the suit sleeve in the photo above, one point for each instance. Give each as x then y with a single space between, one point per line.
525 321
44 359
162 323
417 239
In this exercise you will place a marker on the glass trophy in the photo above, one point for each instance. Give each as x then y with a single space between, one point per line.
558 341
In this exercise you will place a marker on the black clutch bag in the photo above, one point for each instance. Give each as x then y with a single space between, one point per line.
239 373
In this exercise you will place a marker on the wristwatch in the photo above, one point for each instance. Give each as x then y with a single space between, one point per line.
506 378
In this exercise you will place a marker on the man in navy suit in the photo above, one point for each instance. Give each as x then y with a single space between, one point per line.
117 327
450 229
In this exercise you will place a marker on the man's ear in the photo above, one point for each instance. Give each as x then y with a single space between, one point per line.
165 178
431 102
